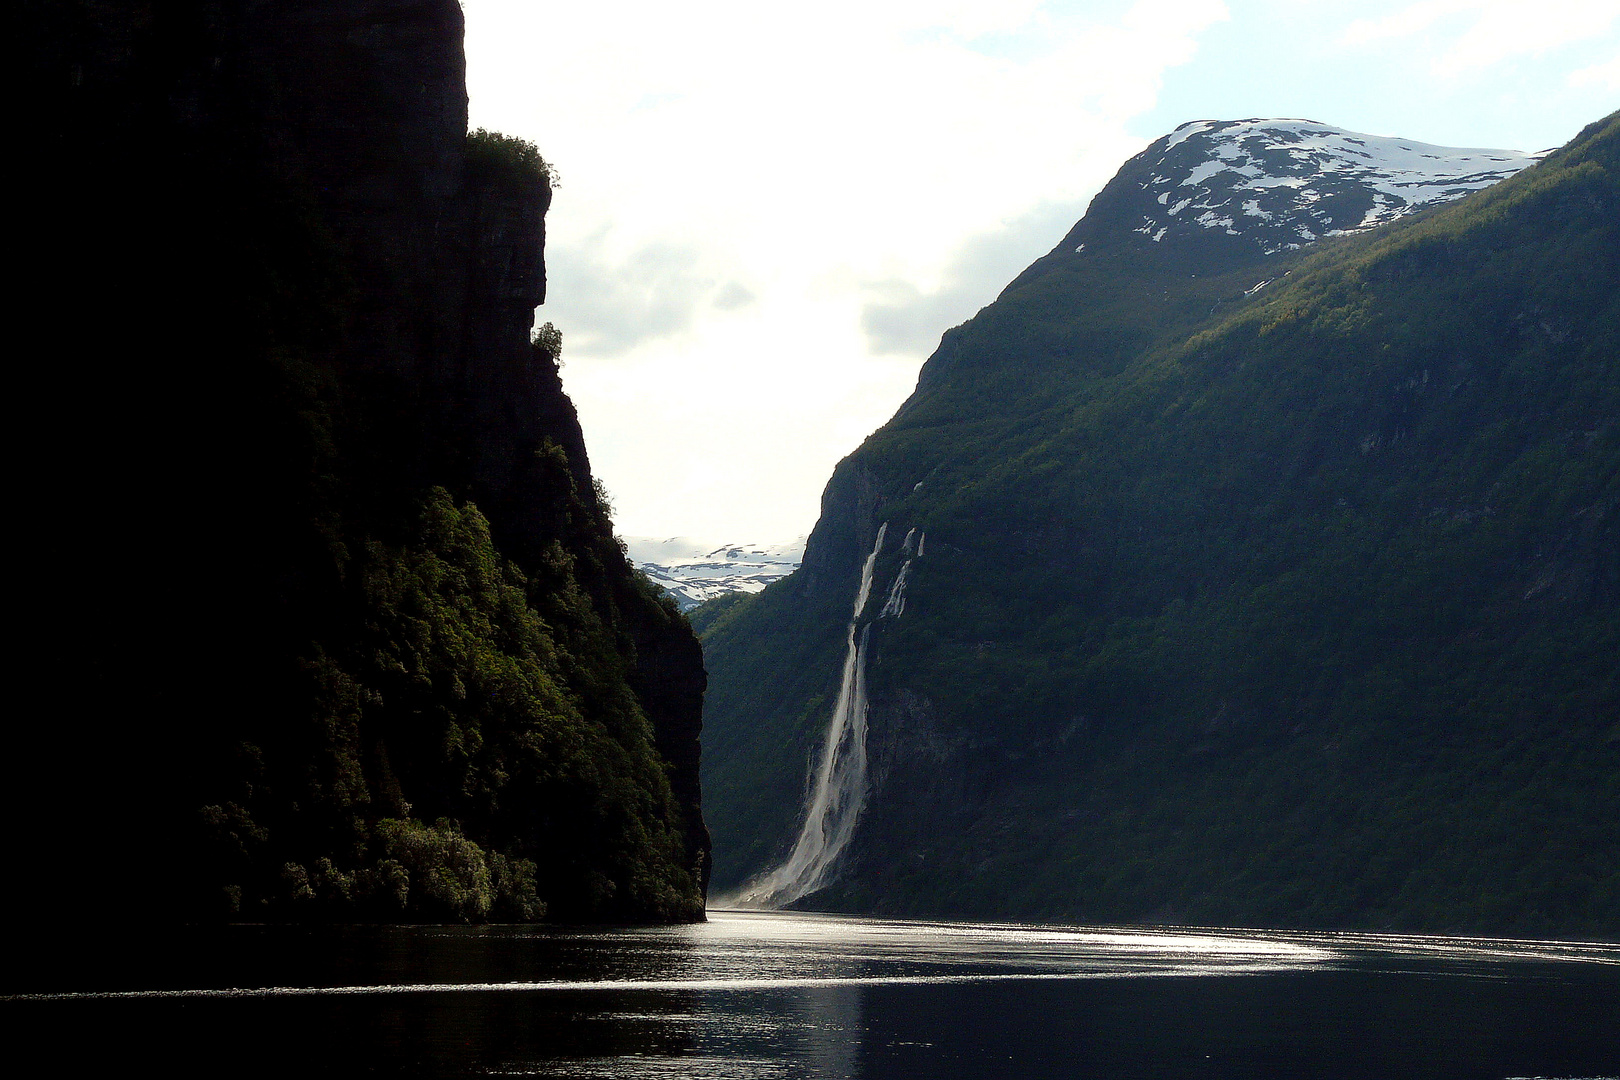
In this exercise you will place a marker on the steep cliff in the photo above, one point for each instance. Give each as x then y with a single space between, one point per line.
1252 584
332 617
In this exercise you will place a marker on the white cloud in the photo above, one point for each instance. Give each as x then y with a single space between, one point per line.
900 319
1604 75
1403 23
653 293
736 177
1468 37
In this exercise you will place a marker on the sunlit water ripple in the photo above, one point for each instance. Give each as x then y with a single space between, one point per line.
754 994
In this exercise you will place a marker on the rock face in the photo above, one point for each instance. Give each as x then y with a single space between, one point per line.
321 436
1227 606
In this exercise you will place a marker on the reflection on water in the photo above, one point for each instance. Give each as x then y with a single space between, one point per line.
831 1016
772 994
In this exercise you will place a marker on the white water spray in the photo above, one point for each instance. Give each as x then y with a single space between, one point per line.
895 603
838 791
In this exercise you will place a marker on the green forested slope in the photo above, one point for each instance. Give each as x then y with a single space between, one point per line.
1292 608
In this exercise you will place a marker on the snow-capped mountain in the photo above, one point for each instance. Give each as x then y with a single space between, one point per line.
1284 183
1162 519
694 571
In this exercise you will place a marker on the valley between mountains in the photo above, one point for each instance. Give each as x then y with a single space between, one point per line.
1252 560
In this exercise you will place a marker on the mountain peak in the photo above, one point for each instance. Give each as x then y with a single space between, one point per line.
694 570
1283 183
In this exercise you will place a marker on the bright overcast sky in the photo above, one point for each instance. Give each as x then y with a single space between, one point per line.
769 213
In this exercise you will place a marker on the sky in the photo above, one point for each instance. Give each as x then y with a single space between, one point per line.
767 214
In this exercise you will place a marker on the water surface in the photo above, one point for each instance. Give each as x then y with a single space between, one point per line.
775 994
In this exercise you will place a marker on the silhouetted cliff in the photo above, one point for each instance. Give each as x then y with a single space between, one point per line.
327 614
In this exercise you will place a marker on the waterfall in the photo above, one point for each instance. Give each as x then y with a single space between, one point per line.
838 789
895 603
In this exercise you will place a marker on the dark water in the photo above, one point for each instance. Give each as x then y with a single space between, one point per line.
753 995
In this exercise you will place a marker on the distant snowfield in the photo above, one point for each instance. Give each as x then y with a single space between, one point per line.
1289 174
694 571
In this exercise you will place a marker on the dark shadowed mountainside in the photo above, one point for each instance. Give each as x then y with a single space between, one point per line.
324 615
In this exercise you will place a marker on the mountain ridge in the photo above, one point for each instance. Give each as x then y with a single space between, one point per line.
1193 547
1311 179
693 571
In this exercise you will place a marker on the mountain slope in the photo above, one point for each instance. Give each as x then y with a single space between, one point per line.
1259 584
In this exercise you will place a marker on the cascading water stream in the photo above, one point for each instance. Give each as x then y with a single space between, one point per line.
838 789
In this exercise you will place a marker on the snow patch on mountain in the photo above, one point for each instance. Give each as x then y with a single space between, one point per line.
1286 183
694 571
